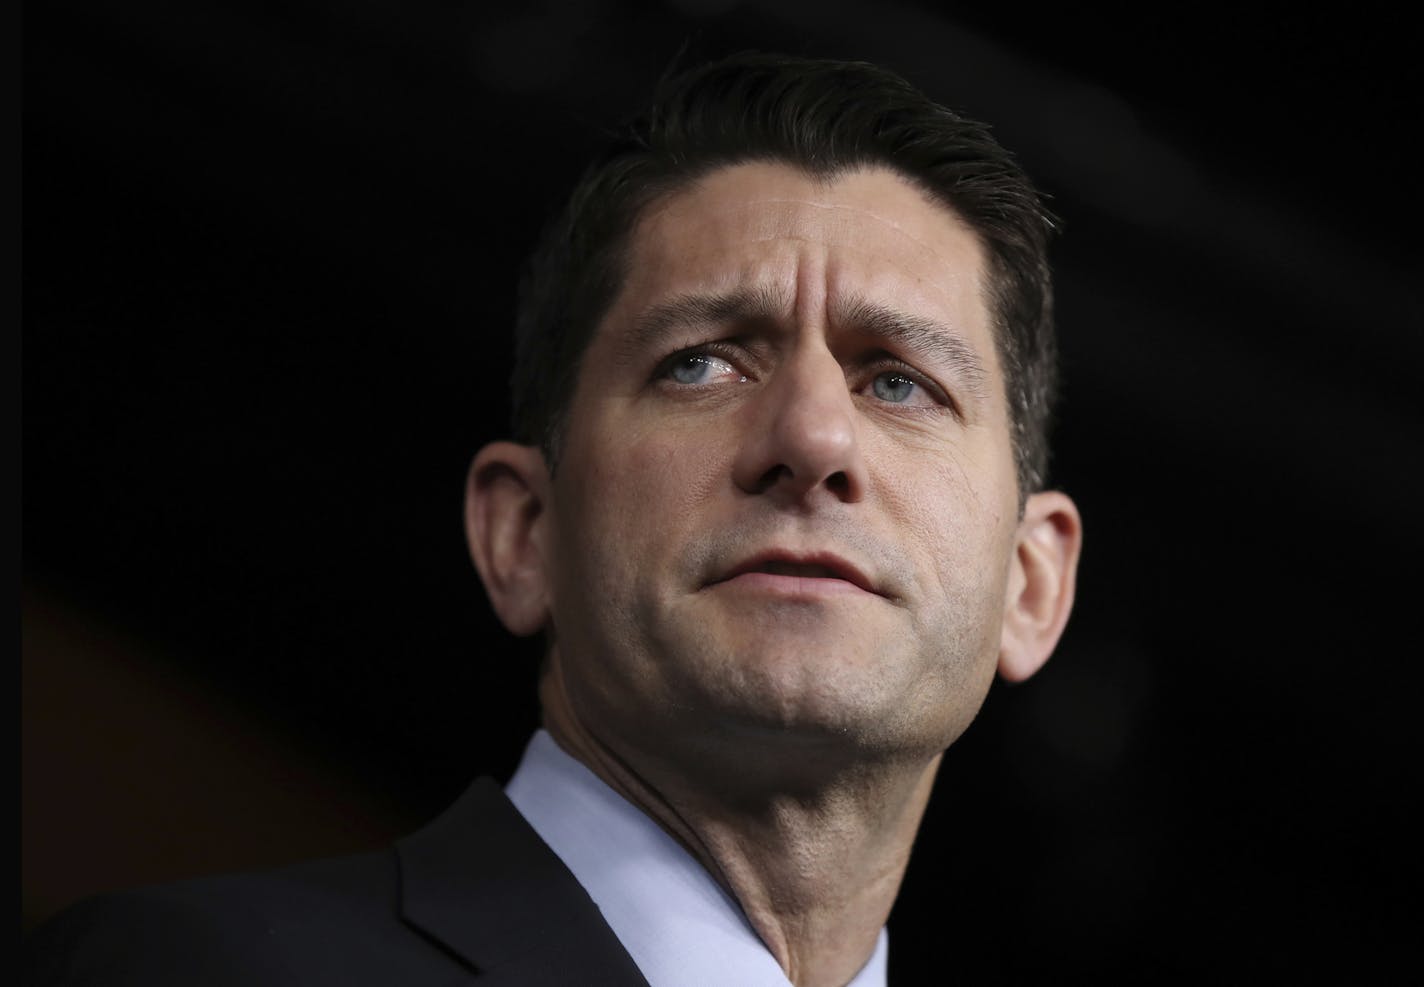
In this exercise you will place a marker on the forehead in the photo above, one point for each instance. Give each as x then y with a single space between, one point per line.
765 197
815 244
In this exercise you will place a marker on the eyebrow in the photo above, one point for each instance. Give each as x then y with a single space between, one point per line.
947 348
742 306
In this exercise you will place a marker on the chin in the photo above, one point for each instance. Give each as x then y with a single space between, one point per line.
809 697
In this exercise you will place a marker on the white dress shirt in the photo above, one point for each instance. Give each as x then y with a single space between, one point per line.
676 922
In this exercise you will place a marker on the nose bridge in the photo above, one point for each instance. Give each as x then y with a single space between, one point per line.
816 402
807 432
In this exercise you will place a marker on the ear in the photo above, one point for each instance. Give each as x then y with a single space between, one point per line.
506 495
1042 576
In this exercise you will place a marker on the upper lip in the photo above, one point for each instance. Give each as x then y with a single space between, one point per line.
834 565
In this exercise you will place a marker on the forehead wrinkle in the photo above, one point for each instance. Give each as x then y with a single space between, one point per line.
700 310
944 345
835 224
846 181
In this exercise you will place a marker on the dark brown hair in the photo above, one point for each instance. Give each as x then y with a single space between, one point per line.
826 118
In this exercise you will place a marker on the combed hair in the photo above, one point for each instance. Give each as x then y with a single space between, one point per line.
825 118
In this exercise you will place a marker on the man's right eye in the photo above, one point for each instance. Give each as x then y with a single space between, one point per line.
700 368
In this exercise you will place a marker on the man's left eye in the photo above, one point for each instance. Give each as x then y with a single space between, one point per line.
701 368
894 387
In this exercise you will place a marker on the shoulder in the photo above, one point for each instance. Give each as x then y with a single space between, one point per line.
474 892
328 921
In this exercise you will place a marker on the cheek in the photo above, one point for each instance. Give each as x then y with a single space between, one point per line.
671 469
637 499
956 519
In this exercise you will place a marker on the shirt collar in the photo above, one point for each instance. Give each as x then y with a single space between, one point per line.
677 923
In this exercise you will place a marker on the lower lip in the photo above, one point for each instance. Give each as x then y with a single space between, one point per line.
793 587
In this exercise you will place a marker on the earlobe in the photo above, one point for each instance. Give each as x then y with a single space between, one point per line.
1042 578
506 493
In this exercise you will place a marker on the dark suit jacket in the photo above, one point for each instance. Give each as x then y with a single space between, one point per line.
475 897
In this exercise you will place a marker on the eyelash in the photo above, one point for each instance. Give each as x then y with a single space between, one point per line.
733 354
889 364
721 349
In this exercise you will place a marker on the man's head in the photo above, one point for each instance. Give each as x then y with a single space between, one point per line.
821 117
790 500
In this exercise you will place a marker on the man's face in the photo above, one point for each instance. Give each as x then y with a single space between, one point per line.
786 499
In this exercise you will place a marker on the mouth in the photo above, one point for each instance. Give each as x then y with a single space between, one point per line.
805 572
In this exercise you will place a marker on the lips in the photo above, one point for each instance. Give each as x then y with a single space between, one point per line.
813 565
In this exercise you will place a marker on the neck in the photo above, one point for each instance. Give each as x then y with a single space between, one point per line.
814 860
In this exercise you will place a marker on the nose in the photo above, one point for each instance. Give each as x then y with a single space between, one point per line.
803 435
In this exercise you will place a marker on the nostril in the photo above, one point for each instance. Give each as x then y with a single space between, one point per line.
838 483
771 478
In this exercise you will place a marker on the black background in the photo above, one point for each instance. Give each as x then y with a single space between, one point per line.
269 258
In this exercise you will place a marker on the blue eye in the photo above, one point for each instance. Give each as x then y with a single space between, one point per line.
893 387
700 368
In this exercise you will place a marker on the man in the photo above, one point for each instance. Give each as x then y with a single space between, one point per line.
784 369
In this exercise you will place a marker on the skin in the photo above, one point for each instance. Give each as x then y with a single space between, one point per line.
781 558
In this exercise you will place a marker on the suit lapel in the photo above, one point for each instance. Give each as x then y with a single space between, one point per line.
480 881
